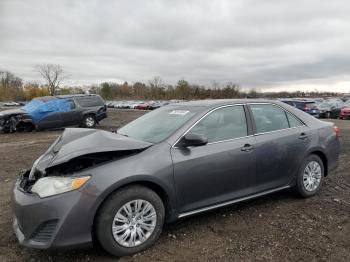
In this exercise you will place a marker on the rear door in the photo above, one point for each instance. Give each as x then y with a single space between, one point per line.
222 170
51 121
281 144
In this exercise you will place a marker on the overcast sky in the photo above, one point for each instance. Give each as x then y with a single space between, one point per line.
269 45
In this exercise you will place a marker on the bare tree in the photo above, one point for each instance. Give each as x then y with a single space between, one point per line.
53 75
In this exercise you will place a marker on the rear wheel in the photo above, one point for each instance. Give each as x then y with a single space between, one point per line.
310 176
89 121
130 221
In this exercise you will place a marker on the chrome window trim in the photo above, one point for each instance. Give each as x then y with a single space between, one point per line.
279 130
256 134
285 110
189 213
212 110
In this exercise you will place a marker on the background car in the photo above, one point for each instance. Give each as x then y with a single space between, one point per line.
308 106
52 112
330 108
11 104
345 111
143 106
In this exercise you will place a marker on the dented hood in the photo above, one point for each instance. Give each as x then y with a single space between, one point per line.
76 142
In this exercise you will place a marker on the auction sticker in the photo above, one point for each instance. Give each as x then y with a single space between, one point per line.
179 112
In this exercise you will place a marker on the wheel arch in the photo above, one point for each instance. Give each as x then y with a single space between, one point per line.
154 186
324 159
89 113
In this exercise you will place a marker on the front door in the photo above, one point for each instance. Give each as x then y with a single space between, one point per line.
222 170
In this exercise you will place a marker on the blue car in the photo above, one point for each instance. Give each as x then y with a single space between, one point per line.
306 106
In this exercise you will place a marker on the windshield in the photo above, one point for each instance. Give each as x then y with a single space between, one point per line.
159 124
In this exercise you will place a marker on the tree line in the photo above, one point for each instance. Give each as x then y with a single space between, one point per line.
12 88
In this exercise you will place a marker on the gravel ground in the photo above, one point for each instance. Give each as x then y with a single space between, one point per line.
279 227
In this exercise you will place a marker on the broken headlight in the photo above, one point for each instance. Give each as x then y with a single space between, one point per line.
49 186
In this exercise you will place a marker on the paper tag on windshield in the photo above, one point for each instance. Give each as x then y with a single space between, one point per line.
179 112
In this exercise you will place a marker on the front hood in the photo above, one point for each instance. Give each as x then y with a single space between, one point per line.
12 112
76 142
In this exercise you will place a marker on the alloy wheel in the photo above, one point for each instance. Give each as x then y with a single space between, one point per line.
90 121
312 176
134 223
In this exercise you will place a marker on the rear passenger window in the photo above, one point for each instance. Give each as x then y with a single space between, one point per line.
223 124
293 121
269 118
89 101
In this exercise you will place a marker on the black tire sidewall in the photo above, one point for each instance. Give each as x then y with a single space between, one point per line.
112 205
300 184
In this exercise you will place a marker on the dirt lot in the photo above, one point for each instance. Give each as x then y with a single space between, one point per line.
279 227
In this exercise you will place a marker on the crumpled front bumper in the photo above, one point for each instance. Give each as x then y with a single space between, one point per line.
63 220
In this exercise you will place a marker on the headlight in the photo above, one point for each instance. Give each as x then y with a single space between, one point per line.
49 186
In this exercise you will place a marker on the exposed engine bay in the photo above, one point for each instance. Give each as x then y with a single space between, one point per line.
94 147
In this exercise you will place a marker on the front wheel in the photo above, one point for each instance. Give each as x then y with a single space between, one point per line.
310 176
130 221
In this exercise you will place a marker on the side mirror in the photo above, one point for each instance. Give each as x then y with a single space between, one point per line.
193 140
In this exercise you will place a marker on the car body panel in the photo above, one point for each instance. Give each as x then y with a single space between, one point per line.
287 150
213 173
75 142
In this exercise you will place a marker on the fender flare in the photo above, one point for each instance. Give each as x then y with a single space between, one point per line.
146 180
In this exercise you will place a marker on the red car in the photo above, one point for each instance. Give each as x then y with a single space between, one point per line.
345 111
143 106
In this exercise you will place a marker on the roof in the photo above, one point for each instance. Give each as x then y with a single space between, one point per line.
298 100
75 95
47 98
218 102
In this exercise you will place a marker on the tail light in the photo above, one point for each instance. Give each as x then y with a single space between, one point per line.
336 131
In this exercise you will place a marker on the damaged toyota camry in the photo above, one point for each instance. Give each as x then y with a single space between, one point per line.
119 188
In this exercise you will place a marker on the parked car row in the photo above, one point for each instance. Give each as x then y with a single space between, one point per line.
143 105
320 108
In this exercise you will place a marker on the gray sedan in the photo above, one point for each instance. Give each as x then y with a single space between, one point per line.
180 160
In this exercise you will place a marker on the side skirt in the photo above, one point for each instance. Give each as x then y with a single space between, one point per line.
232 202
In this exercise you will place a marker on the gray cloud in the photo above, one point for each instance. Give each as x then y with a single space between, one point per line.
263 44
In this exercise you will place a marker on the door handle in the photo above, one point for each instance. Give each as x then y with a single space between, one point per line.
247 148
303 136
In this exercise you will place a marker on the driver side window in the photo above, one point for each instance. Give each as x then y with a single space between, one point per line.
222 124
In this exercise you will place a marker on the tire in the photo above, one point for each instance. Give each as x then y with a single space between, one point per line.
114 205
89 121
309 185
